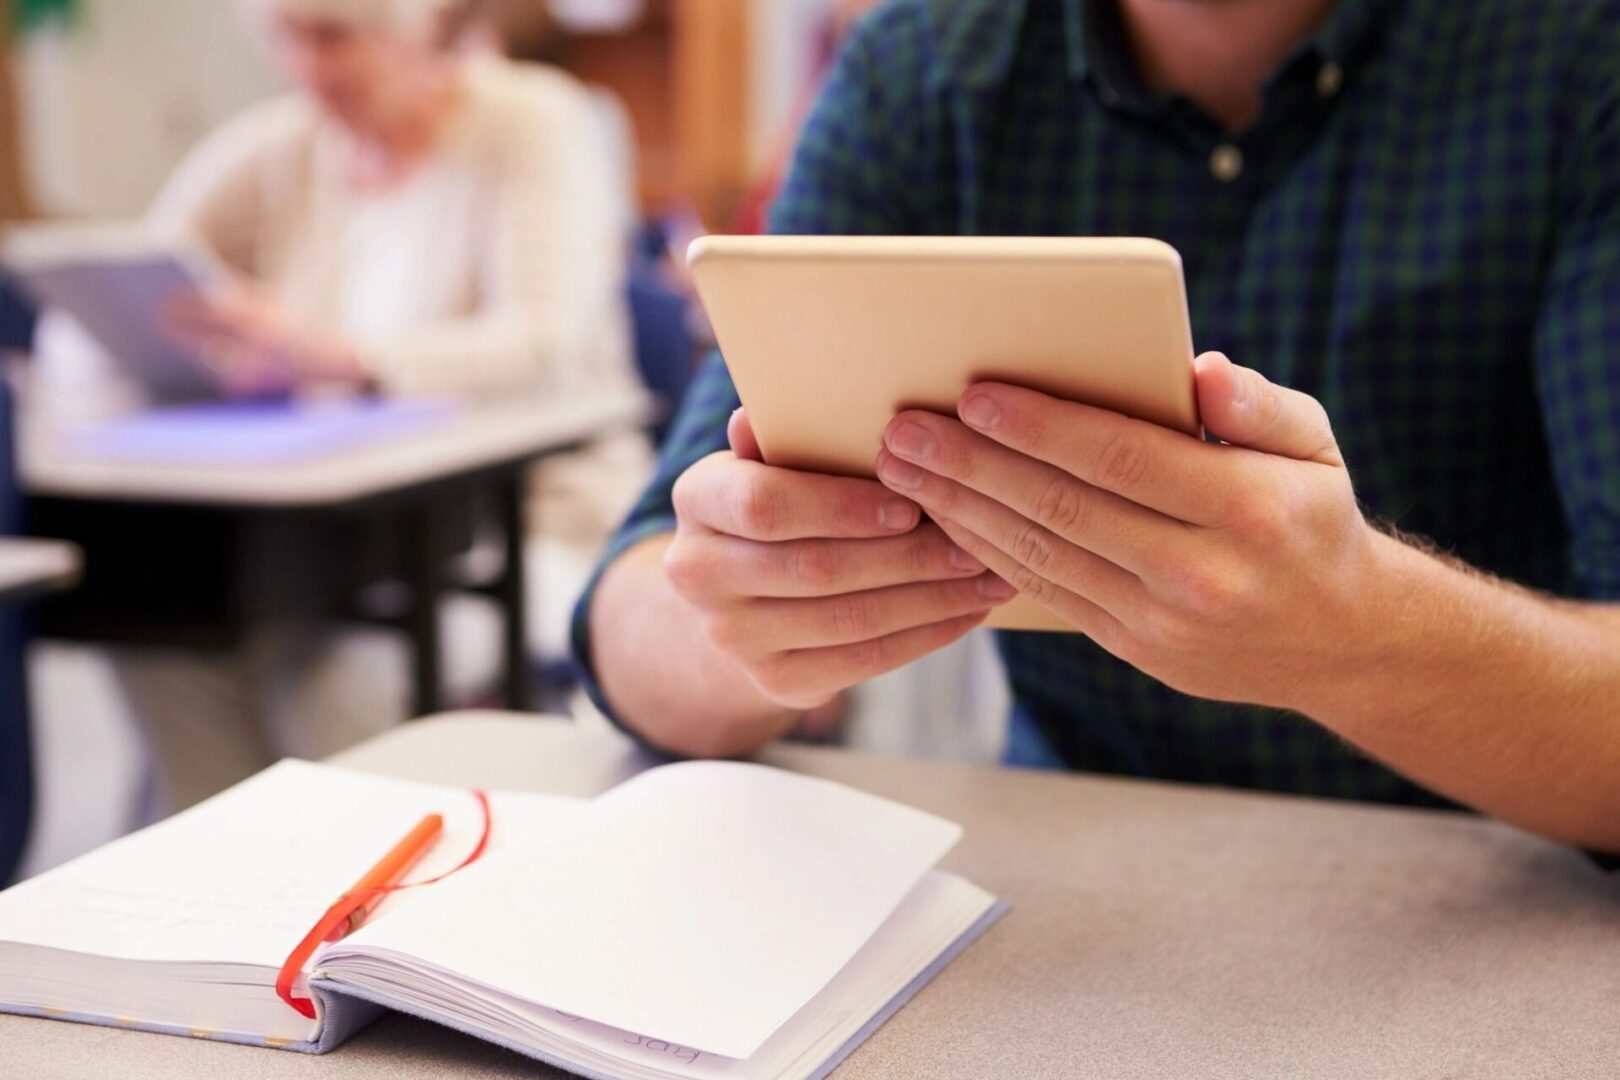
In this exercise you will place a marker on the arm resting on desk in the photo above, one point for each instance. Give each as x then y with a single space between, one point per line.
658 667
1499 697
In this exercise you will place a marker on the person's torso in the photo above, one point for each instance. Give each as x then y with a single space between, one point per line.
1377 240
380 262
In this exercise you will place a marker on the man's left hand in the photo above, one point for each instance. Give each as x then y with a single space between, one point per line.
1240 571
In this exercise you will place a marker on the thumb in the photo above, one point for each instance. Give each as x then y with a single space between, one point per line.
741 434
1240 406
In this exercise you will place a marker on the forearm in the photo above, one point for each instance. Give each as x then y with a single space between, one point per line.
1500 698
468 357
657 669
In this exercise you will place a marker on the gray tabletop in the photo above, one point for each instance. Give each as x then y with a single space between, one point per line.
477 437
1157 932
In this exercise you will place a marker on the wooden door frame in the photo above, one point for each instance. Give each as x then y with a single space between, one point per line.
14 201
713 90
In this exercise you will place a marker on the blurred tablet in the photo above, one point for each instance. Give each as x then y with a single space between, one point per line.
115 281
827 338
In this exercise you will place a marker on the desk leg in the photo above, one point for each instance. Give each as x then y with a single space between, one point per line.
425 565
16 754
514 594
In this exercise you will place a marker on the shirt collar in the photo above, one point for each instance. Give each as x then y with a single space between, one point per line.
1349 29
1097 45
979 37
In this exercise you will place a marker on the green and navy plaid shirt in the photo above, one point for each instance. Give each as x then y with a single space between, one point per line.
1422 230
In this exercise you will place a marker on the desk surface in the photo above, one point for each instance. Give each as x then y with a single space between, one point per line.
482 436
31 567
1156 932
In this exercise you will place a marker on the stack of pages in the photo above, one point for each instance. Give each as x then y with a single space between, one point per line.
701 920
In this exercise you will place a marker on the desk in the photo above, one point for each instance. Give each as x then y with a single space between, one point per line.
31 568
1157 931
194 556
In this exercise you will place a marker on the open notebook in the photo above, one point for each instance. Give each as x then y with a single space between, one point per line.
702 920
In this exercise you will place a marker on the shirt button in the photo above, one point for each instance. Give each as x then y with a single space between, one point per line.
1226 163
1329 78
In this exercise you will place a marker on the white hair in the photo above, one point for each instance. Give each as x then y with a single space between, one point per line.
404 15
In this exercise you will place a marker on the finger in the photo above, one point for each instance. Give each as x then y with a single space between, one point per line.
765 627
1124 533
186 306
798 675
1149 465
741 435
1041 552
1084 615
1242 407
714 564
190 326
759 502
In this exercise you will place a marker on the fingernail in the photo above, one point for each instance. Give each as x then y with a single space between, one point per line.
980 412
964 562
911 441
897 473
898 515
995 590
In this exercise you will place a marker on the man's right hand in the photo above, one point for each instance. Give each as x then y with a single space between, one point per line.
816 583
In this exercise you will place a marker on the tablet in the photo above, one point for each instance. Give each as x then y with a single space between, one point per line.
115 280
828 337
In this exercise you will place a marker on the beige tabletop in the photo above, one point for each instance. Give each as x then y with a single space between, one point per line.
1157 931
30 567
478 436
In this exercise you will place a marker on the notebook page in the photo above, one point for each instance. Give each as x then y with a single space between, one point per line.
242 877
703 903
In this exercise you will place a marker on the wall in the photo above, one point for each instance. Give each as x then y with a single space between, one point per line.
785 37
109 105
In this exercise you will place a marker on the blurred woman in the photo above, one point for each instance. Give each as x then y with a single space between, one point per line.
408 222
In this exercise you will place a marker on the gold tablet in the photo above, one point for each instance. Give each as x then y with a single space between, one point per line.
827 337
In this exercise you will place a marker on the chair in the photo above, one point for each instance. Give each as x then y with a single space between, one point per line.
18 316
659 317
16 750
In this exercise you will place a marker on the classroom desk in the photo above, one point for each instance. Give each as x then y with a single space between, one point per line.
32 568
194 556
1157 931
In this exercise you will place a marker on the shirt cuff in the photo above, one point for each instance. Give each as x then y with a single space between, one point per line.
580 628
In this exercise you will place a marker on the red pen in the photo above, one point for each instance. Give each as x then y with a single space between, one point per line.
352 908
395 865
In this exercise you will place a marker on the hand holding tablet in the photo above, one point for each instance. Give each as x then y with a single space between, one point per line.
814 583
828 338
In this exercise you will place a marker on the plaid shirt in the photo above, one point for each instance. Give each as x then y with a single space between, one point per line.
1422 231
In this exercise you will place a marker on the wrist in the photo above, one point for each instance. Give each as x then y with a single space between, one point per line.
346 367
1381 655
325 360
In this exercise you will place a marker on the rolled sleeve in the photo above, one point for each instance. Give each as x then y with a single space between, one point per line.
699 431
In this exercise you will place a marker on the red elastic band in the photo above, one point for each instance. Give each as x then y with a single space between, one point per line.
348 904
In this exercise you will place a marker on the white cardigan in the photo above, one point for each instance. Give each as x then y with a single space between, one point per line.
496 266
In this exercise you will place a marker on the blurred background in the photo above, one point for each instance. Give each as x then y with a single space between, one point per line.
104 97
693 107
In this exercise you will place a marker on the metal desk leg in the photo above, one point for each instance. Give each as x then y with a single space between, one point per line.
513 590
425 565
